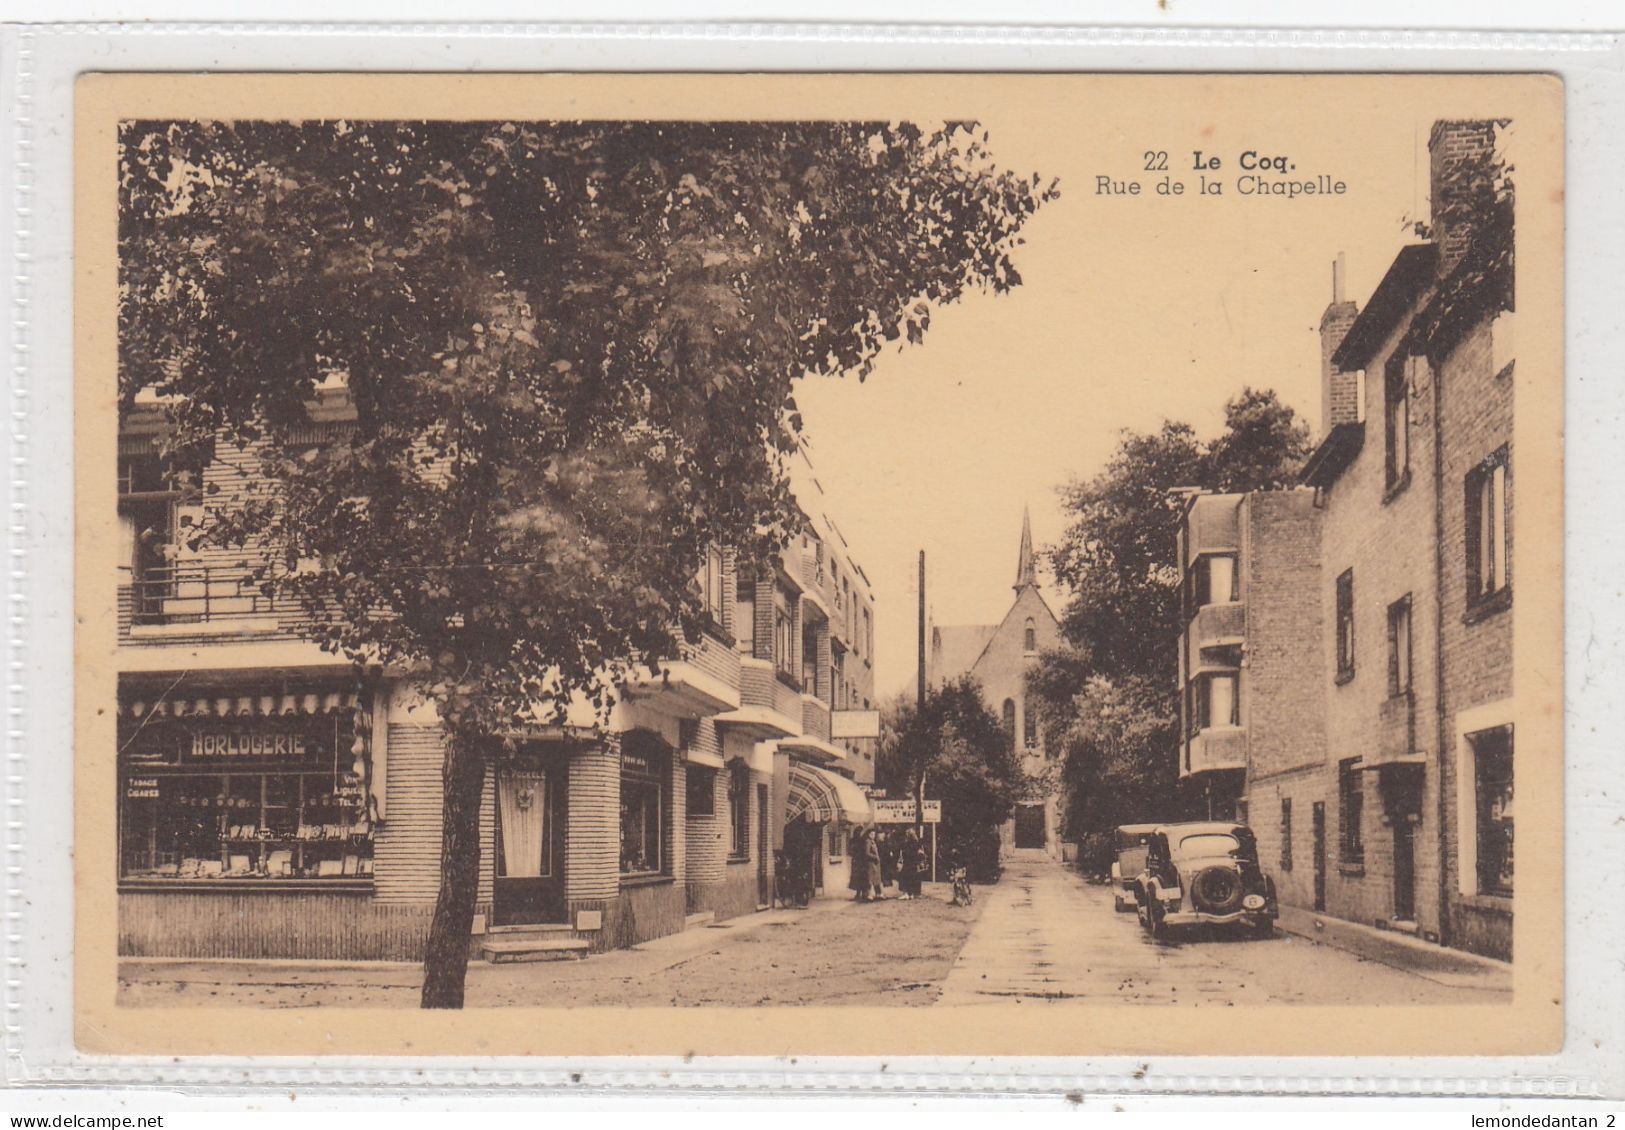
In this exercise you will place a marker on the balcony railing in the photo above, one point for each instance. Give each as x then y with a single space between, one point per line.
1216 749
193 594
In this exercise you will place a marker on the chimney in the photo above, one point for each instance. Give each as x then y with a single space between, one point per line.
1339 391
1459 184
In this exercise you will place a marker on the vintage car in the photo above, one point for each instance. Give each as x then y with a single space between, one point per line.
1204 872
1128 850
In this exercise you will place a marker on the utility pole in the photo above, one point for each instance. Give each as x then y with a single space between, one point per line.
919 705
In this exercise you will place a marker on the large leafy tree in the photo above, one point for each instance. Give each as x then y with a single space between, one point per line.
1108 698
956 750
571 350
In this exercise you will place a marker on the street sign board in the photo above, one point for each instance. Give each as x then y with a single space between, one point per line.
854 724
896 811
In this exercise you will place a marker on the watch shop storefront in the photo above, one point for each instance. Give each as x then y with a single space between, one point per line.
277 818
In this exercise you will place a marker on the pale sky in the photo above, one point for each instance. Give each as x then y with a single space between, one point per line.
1132 310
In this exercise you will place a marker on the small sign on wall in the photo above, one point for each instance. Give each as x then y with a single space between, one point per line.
589 920
854 724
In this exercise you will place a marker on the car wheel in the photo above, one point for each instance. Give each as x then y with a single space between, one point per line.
1159 923
1264 927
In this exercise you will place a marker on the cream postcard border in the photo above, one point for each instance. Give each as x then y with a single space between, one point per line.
1530 1024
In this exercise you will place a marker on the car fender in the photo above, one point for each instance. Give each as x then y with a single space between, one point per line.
1165 894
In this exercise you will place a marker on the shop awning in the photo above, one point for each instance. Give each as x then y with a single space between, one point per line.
819 795
241 706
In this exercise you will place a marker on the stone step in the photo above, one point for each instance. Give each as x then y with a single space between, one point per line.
701 918
529 929
501 951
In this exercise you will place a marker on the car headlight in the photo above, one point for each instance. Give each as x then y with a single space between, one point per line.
1253 902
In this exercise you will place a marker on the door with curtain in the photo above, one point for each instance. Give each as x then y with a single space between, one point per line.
529 886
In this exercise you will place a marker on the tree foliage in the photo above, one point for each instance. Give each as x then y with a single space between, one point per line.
961 752
1108 698
570 349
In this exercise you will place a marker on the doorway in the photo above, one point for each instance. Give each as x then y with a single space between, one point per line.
529 884
764 851
1318 815
1030 826
1404 869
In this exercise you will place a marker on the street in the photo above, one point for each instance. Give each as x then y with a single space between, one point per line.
1045 935
1041 934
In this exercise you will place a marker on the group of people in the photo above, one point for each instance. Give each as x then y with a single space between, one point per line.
880 859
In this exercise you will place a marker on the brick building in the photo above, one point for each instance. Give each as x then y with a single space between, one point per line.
1405 819
998 656
1250 601
274 802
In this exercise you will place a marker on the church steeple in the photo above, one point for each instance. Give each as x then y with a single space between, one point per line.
1026 573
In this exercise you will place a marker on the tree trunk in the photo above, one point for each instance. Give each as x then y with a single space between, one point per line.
445 959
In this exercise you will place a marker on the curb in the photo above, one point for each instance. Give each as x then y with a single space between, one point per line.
1399 951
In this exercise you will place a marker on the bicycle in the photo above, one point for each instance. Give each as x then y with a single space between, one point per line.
962 891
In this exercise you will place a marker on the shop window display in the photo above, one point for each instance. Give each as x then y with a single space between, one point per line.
242 802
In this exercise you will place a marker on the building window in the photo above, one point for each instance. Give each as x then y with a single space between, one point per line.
1216 702
241 801
1488 578
1286 833
837 679
1345 626
644 805
1492 790
783 636
739 812
1029 637
1350 812
701 793
1029 727
1010 721
1217 580
1397 419
809 656
1399 646
745 615
838 834
868 635
711 589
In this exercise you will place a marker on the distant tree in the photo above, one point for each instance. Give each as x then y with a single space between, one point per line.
571 350
1108 699
957 751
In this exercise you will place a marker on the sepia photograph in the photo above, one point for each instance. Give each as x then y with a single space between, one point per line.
958 563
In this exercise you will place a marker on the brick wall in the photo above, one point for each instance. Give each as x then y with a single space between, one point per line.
1280 562
707 846
593 866
1476 412
1387 538
406 847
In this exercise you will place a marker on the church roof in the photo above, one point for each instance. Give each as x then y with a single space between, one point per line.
956 648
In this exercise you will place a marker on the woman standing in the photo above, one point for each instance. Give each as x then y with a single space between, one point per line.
871 862
912 865
858 882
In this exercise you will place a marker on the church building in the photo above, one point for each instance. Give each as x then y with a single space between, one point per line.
998 656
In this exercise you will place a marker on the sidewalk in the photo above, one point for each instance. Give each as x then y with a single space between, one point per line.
1444 966
707 962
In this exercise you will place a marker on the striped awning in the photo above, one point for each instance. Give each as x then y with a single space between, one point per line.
817 795
240 706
